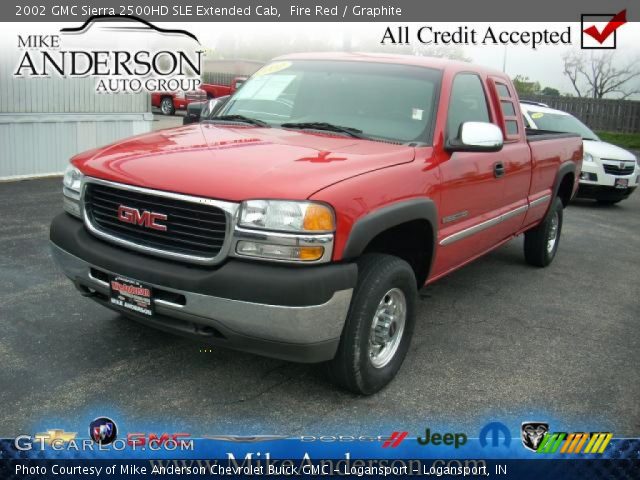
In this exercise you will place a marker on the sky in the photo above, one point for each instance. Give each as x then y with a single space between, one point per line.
543 64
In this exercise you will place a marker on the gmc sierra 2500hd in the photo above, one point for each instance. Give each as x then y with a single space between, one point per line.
300 221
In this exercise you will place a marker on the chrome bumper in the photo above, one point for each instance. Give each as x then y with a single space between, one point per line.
274 323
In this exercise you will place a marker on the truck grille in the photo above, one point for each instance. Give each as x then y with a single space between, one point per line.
616 170
192 229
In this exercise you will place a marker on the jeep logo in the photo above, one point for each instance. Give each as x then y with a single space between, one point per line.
145 218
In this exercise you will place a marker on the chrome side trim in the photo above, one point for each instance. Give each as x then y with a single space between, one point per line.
287 239
514 213
291 324
230 209
455 216
467 232
539 201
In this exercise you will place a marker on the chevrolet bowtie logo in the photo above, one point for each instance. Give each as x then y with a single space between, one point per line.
51 435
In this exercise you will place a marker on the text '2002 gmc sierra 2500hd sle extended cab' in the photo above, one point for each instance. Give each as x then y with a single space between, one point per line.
300 220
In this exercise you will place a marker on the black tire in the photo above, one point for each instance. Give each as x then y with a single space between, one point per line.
607 202
166 106
352 367
536 240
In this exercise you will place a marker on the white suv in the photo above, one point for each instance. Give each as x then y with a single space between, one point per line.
609 173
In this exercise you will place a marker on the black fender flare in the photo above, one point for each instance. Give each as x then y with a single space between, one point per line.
367 227
566 168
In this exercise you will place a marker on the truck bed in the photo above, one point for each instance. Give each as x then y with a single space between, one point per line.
535 135
550 152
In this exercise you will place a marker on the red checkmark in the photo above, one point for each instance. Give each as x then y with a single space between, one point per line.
616 22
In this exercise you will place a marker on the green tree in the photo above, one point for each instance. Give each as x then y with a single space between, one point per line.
526 87
550 91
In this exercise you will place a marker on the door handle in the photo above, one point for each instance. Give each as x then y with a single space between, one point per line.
498 170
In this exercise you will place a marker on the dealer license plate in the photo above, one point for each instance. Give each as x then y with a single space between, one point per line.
131 295
622 182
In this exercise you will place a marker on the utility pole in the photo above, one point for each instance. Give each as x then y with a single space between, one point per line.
346 41
504 60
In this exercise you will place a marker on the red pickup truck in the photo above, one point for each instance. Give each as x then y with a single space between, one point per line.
169 102
215 91
301 220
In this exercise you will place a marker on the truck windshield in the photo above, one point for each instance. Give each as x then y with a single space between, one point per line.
562 123
377 100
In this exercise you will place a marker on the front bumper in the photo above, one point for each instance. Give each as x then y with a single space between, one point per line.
596 170
600 192
292 313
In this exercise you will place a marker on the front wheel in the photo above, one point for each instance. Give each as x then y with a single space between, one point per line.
541 243
379 326
166 106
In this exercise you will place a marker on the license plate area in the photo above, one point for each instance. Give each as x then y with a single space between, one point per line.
622 183
131 295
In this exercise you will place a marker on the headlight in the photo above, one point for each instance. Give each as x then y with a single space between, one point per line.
278 215
294 232
72 183
587 157
72 178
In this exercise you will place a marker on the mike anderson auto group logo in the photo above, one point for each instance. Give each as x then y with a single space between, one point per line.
157 66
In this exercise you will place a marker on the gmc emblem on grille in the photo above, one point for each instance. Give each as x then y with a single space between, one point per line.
145 218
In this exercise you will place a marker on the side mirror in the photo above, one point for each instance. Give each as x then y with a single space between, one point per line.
213 106
477 137
198 111
194 109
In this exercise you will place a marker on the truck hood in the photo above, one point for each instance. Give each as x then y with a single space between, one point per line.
237 163
606 150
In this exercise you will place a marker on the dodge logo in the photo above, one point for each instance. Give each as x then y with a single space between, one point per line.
145 218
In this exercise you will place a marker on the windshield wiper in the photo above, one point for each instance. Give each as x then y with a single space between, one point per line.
352 132
241 119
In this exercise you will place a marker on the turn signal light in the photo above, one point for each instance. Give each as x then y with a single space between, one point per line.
318 218
279 252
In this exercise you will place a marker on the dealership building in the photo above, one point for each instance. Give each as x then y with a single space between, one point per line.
45 121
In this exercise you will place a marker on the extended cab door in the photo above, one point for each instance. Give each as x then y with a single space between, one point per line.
472 196
516 154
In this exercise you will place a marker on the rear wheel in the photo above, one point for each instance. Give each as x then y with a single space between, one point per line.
379 326
541 243
166 106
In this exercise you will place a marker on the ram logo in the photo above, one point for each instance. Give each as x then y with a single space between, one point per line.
144 218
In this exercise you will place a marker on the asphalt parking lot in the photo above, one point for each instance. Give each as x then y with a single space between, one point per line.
497 340
167 121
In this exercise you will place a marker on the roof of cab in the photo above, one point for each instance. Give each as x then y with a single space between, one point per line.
430 62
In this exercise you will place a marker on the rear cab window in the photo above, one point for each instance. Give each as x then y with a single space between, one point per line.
505 102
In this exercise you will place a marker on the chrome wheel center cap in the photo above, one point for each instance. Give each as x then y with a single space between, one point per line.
387 327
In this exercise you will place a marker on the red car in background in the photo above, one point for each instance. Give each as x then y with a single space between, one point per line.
169 102
215 91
